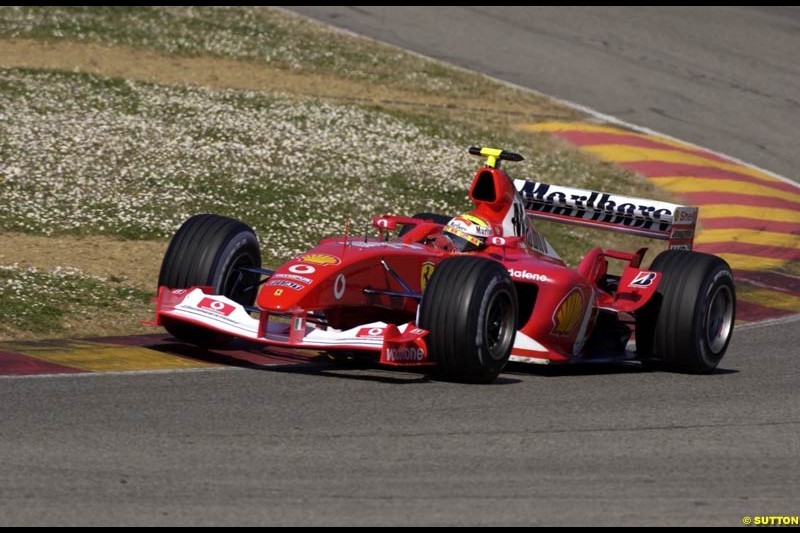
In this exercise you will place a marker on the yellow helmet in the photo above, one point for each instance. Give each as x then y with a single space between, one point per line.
468 232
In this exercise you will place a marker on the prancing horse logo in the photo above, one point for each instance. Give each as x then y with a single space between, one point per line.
425 274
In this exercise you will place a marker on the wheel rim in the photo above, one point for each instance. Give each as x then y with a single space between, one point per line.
719 319
238 285
499 325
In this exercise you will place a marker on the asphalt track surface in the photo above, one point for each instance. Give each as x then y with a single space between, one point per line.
324 446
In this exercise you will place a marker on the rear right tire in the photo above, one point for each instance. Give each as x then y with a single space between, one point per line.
687 325
429 217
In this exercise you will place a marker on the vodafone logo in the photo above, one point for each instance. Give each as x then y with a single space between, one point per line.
370 332
339 286
524 274
404 353
216 306
302 269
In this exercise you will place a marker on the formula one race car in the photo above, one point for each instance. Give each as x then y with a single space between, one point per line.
462 295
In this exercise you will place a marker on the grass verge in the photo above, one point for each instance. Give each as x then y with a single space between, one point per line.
116 157
63 301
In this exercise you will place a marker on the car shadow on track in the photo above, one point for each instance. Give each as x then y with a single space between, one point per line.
593 369
241 355
376 373
233 356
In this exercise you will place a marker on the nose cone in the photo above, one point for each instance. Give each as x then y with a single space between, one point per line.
281 297
301 283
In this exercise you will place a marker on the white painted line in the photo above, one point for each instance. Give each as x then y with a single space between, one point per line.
771 322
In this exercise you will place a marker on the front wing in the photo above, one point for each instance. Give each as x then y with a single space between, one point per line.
402 345
398 345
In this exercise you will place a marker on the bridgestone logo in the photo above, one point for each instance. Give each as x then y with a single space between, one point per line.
598 206
407 353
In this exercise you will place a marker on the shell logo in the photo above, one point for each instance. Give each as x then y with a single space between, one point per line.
568 313
320 259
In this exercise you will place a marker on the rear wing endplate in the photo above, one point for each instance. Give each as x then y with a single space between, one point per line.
627 214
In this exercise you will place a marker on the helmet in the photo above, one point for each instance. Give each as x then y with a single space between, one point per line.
468 232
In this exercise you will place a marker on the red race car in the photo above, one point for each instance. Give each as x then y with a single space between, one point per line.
464 294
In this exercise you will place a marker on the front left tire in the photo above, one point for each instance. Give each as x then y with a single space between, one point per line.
210 250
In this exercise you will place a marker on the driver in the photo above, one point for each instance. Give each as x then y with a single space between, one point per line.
468 232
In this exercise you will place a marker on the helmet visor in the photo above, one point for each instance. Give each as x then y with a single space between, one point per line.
462 241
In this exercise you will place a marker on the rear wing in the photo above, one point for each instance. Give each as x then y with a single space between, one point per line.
627 214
